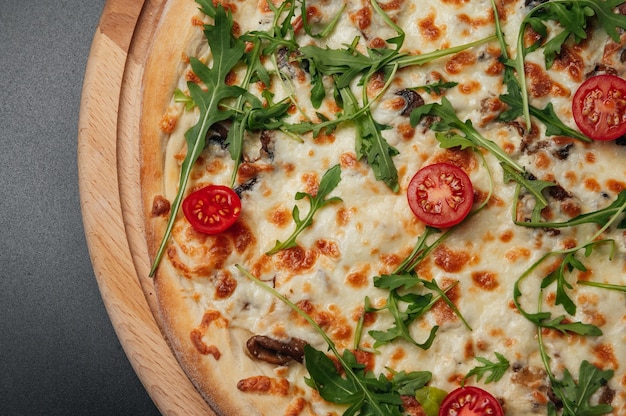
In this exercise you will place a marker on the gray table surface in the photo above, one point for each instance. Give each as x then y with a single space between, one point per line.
59 354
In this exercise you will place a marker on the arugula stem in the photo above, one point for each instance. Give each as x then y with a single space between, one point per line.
619 288
405 60
398 40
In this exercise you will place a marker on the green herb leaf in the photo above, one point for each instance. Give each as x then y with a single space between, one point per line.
363 392
495 369
226 51
406 384
545 320
417 305
601 217
370 143
533 186
576 396
328 183
547 116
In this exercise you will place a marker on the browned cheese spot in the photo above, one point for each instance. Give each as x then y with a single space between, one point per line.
605 356
428 29
264 385
296 259
196 335
449 260
168 123
485 280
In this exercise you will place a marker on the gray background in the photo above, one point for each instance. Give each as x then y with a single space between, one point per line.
59 354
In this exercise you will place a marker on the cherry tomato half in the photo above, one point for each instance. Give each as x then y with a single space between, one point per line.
599 107
212 209
441 195
470 401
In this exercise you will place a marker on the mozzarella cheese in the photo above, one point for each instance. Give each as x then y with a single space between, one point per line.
371 230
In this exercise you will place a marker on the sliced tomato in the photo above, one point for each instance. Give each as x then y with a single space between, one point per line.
441 195
599 107
212 209
470 401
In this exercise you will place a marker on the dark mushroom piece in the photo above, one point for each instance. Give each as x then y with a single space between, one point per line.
218 134
274 351
412 99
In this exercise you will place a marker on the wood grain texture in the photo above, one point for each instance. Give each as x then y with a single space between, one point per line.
108 175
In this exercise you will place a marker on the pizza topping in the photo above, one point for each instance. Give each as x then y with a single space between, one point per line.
470 401
212 209
412 100
160 206
441 195
274 351
599 107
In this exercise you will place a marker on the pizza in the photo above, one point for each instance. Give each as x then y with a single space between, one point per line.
390 208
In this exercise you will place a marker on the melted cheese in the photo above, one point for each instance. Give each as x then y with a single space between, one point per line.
372 229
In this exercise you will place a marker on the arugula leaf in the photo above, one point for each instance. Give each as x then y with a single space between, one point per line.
432 285
495 369
370 143
406 384
324 32
576 396
365 393
574 17
226 51
548 117
328 183
407 307
601 217
417 305
345 64
236 134
535 188
569 263
207 7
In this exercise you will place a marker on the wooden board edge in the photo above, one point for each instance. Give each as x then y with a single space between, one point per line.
122 293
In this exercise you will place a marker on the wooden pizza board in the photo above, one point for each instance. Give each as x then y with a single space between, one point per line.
109 192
